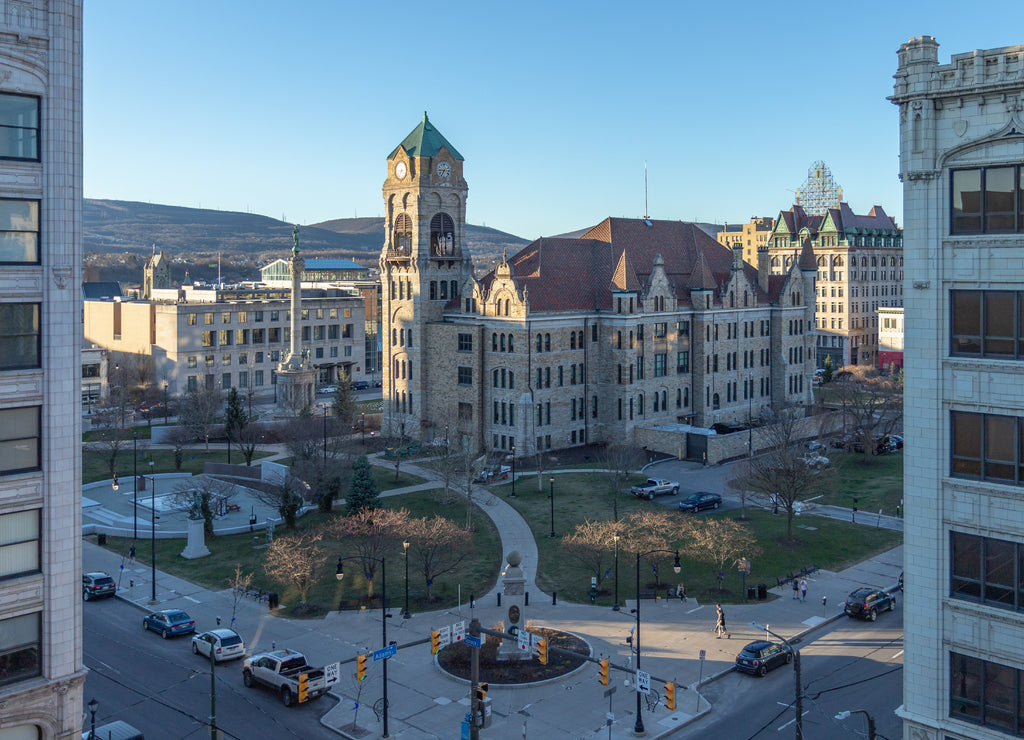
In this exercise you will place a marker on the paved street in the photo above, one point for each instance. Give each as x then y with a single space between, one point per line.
426 703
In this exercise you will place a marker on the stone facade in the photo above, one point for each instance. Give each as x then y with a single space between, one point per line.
961 125
41 670
572 341
752 236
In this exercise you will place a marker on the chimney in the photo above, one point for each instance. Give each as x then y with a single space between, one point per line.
762 269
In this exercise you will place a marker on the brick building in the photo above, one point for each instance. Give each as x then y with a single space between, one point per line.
636 323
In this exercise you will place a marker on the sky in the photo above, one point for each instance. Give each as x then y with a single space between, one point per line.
290 110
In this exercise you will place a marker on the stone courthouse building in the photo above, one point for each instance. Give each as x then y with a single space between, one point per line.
636 325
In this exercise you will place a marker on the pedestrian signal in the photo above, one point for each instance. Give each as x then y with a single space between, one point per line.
481 691
603 675
360 667
542 652
670 696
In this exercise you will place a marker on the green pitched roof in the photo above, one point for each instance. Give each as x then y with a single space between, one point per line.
425 141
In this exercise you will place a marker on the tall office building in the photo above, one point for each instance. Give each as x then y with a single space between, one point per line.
41 671
962 166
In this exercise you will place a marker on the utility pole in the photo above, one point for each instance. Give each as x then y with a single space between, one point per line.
213 693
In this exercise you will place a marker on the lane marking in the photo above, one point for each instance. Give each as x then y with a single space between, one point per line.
897 655
695 609
194 601
780 729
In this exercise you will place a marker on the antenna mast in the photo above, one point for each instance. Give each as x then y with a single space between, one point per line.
645 190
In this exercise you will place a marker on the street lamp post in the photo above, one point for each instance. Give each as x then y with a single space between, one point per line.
513 471
135 486
405 547
799 698
340 574
165 403
552 497
615 538
325 434
362 428
93 706
871 720
152 531
638 727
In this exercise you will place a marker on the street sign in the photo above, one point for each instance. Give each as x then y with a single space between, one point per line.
385 653
473 641
446 635
703 655
458 631
609 692
643 682
332 673
743 565
524 640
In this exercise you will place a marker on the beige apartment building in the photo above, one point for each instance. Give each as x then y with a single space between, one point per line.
859 269
752 236
218 337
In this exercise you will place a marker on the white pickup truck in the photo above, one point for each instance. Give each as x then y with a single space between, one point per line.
655 487
282 670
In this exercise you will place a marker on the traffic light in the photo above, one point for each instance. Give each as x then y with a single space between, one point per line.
670 696
435 642
303 687
603 675
481 691
360 667
542 652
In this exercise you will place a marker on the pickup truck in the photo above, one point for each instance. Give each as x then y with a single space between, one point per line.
281 670
655 487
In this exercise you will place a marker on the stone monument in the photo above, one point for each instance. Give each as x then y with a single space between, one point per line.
295 374
196 545
514 588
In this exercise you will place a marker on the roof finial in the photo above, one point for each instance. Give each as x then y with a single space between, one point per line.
425 117
295 238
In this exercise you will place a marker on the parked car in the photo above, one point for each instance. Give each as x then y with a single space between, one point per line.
359 385
328 389
169 622
761 656
700 501
816 447
280 670
225 644
97 584
814 460
655 487
865 603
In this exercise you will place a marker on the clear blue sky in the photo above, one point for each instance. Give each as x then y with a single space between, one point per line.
290 109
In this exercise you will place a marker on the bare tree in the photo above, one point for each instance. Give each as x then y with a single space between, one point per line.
654 532
720 542
373 534
304 437
109 433
200 409
239 584
590 544
871 403
212 493
178 437
296 560
620 461
439 545
249 439
780 475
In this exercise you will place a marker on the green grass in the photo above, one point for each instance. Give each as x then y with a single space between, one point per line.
385 477
877 484
141 433
476 574
579 496
94 462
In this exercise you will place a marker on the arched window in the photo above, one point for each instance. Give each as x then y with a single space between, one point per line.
618 340
579 339
640 404
716 402
510 347
494 342
540 343
746 299
402 238
664 397
442 235
655 402
502 342
572 340
547 342
508 304
394 337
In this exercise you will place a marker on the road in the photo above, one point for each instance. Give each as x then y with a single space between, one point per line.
161 688
852 665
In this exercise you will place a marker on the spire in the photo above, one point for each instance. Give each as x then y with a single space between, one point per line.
702 278
807 261
425 141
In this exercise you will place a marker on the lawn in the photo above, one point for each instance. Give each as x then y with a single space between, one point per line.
878 484
94 462
578 496
475 575
385 477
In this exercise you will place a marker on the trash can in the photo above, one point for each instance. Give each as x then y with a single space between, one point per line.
101 539
272 600
762 592
751 593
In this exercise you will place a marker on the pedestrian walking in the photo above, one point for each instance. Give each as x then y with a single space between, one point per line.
803 589
720 624
796 589
131 554
681 593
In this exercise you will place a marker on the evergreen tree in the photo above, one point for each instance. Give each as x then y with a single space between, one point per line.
235 418
362 489
344 403
827 376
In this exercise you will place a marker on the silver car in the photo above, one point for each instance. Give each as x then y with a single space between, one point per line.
225 644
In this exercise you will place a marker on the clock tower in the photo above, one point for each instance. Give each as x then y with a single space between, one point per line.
423 267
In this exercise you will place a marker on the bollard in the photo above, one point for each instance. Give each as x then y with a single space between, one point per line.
499 598
554 598
472 602
824 605
218 621
526 599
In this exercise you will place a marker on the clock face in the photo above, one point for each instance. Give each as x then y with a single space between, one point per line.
444 170
400 170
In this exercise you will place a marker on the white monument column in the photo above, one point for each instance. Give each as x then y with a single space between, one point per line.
295 375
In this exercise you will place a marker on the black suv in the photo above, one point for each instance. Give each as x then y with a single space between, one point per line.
759 657
97 584
865 603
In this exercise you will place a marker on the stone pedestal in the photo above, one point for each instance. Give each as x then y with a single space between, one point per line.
295 380
196 547
514 591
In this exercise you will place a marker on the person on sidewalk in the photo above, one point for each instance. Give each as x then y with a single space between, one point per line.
803 589
681 593
796 589
720 624
131 554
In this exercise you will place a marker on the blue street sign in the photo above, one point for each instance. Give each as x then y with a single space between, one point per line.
385 653
472 641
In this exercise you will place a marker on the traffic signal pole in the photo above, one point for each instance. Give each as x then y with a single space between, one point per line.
474 679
